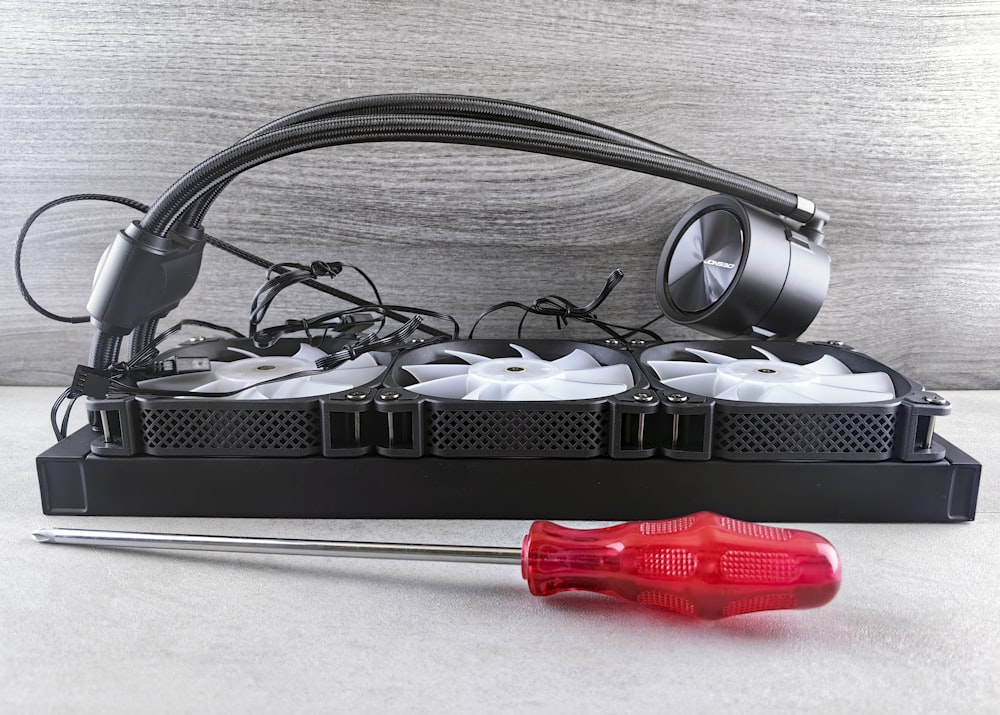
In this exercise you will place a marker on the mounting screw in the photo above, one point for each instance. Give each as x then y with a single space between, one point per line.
835 343
415 341
677 397
935 400
642 397
636 341
390 395
356 395
612 341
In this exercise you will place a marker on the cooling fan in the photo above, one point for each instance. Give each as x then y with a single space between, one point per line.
770 379
511 399
788 400
251 373
526 378
305 415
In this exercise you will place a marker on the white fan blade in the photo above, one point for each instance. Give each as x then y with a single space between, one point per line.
300 387
831 394
604 375
363 360
526 392
829 365
453 387
703 384
353 377
727 387
669 369
241 351
877 382
310 354
714 358
178 383
423 373
220 384
564 389
770 356
782 394
525 353
470 358
750 391
576 360
489 391
252 394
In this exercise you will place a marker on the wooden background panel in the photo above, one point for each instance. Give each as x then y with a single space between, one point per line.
885 114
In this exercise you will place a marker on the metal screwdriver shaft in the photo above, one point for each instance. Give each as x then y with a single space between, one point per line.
290 547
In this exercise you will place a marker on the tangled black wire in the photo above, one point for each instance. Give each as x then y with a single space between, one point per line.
564 310
284 275
366 344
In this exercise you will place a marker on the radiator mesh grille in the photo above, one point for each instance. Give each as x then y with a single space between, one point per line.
231 431
517 432
807 434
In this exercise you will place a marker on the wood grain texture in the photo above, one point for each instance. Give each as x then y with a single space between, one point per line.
885 114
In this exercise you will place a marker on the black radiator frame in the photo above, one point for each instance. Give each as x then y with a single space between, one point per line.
74 481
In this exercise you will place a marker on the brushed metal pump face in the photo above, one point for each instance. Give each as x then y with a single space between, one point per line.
732 270
705 260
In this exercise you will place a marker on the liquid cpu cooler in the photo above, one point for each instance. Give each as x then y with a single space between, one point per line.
344 419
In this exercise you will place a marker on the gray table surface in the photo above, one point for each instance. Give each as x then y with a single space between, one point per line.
915 627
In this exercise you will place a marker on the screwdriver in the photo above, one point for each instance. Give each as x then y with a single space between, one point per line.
702 565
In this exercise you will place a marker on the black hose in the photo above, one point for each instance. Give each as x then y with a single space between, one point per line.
443 105
349 130
142 337
104 349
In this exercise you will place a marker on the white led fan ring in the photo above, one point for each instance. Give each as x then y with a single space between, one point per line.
577 375
246 375
772 380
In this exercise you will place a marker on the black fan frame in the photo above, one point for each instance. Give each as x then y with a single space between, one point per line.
649 419
419 425
334 425
700 427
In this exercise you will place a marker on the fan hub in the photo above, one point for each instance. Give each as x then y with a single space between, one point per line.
512 370
248 369
769 371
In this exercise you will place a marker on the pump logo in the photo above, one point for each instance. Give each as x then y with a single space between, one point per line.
720 264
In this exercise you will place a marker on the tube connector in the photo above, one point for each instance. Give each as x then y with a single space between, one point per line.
812 218
143 276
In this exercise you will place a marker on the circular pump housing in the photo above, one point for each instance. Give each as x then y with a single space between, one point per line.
732 270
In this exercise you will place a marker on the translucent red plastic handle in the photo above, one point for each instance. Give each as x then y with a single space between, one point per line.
702 565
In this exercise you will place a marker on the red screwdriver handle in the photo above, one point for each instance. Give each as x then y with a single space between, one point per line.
702 565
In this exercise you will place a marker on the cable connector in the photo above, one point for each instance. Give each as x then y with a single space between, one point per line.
91 382
180 366
371 343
